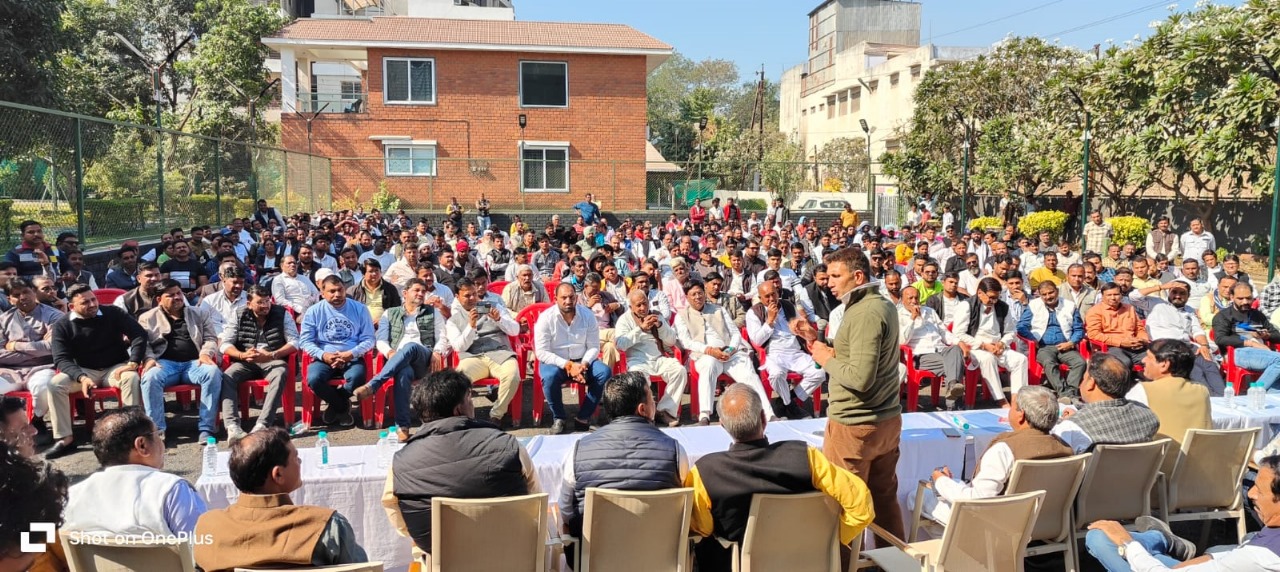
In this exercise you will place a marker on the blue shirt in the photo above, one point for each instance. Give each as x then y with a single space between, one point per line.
588 210
182 508
328 329
1053 333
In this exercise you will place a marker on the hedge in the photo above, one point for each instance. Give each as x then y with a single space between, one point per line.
1052 221
115 215
986 222
1129 229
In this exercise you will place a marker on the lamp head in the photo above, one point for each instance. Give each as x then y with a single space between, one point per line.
524 120
702 123
865 127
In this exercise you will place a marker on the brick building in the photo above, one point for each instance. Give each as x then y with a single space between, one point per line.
533 114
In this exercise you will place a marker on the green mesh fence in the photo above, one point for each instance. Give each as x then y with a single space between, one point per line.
110 181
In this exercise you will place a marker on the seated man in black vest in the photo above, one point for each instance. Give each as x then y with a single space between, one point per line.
412 339
629 453
258 341
723 483
138 300
452 455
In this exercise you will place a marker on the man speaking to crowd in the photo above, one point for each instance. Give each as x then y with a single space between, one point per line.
864 421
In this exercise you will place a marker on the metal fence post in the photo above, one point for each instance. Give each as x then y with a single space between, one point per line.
159 174
79 162
217 179
614 182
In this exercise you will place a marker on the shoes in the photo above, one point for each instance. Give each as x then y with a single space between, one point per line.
1179 549
61 449
204 437
668 419
799 409
559 427
234 432
704 421
363 392
337 414
779 408
579 425
504 422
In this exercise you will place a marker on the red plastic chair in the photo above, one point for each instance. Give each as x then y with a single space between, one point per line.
107 295
723 381
258 388
918 377
1035 371
793 378
657 380
1239 376
27 398
497 287
97 399
311 405
517 401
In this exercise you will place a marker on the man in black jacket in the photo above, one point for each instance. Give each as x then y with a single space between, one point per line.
1248 330
89 352
258 342
452 455
821 300
629 453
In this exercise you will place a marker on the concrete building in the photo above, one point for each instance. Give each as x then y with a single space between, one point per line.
865 61
529 113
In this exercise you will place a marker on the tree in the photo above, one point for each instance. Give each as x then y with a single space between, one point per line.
29 40
681 91
844 159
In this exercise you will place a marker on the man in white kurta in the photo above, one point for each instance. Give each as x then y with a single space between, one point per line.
644 337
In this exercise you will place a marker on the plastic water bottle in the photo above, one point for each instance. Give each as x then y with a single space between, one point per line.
964 427
383 450
298 428
393 440
1229 395
322 445
1258 396
210 457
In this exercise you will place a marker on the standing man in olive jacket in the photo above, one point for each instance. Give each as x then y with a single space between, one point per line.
865 418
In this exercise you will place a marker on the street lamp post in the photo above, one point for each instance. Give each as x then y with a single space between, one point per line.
702 126
1084 182
523 121
871 188
156 68
1270 72
964 182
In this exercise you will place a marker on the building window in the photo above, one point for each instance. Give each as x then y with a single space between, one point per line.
410 160
545 169
409 80
831 107
915 71
844 103
855 100
544 84
350 90
893 79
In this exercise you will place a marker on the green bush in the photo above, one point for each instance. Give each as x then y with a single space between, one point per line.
6 219
748 205
986 222
115 216
1036 222
244 208
1129 229
194 209
383 200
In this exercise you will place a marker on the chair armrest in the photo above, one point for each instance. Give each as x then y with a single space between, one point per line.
921 487
893 560
887 536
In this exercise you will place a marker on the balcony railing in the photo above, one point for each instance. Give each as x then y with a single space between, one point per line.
309 102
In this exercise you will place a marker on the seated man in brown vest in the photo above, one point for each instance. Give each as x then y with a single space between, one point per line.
264 528
723 483
1033 412
1178 403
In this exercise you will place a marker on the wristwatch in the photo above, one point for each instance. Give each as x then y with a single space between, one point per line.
1120 549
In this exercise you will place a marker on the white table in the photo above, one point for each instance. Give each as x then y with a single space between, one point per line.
353 484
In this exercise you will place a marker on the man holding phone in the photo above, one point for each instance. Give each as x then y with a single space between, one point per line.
480 331
33 256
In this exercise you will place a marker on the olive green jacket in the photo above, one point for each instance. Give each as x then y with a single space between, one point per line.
864 381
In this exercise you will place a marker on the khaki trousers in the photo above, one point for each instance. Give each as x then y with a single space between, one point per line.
870 450
507 374
608 351
62 386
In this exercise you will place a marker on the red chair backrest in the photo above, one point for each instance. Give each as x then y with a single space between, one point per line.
497 287
108 295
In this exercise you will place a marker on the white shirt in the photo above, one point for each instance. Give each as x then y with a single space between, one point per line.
412 334
790 280
987 331
1073 435
778 334
557 343
969 283
386 259
924 335
1242 559
224 310
988 481
1194 245
294 292
1166 322
460 333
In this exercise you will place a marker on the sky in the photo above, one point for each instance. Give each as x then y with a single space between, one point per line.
774 33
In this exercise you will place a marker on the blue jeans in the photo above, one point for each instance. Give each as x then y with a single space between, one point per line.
407 364
319 374
1101 547
484 222
553 379
1265 361
170 373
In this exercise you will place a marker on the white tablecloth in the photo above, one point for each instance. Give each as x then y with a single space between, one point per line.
353 484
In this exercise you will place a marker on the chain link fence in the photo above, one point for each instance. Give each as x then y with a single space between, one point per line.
111 181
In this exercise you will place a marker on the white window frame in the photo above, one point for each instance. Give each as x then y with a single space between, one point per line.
566 84
388 145
386 93
545 146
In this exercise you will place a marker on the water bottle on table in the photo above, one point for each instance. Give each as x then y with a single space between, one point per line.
322 446
210 457
383 450
1229 395
393 439
1258 396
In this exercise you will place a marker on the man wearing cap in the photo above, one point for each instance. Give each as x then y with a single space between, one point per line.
229 298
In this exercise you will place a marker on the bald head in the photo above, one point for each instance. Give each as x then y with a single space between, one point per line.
742 413
638 302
